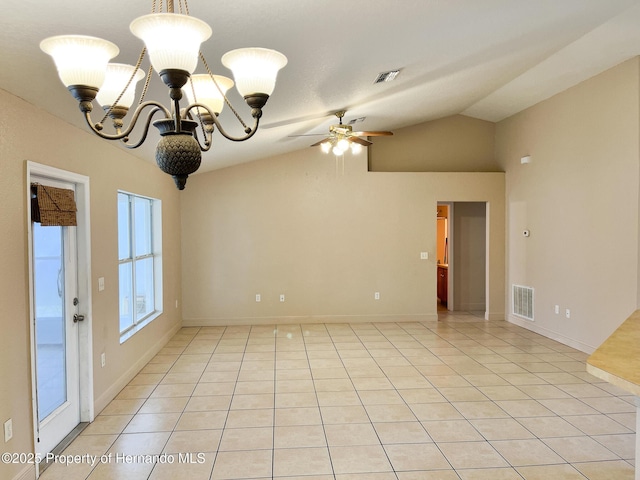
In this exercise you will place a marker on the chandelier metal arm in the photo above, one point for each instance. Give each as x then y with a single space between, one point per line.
207 129
97 128
250 132
207 141
145 131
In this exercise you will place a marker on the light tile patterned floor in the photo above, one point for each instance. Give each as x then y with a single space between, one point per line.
459 399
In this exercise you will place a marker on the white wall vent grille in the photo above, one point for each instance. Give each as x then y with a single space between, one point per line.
522 302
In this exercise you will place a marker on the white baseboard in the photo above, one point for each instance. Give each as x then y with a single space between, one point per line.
558 337
103 400
27 473
310 319
471 307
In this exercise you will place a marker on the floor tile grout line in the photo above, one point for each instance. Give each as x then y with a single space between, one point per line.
555 414
515 419
133 416
183 410
413 412
315 390
217 451
362 405
512 418
275 383
573 395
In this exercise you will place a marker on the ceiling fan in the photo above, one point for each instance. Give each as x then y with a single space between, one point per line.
342 138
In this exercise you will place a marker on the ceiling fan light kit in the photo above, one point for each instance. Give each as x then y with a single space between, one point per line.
172 41
342 138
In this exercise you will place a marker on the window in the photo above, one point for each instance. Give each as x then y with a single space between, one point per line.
140 262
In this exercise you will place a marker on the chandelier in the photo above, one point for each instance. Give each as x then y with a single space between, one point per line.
172 41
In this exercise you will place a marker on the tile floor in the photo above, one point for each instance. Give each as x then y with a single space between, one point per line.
459 399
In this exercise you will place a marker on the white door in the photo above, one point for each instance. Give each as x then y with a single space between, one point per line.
55 324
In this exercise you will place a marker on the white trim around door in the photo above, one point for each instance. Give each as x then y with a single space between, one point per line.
83 238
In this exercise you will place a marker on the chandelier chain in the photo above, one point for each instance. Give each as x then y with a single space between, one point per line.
146 83
182 8
195 100
131 78
226 100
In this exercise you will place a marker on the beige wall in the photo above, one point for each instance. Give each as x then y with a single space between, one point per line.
451 144
579 199
27 133
327 240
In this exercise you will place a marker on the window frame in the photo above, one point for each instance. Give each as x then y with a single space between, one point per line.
155 254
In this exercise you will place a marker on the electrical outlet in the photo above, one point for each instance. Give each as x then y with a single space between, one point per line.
424 255
557 309
8 430
103 359
258 297
282 297
376 296
567 313
100 284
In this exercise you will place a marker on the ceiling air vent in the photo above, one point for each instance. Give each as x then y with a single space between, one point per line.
386 76
522 302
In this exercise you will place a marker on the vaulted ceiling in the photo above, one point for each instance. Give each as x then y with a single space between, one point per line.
487 59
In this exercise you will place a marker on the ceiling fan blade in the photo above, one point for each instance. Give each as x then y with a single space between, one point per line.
361 141
373 134
307 135
323 140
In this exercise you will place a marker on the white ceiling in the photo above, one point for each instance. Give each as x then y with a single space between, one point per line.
483 58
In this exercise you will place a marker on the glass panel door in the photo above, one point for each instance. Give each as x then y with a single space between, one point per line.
56 347
49 275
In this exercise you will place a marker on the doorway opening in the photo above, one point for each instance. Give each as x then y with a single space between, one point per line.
443 234
462 256
60 311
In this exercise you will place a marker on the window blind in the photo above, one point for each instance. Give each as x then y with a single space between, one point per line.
53 206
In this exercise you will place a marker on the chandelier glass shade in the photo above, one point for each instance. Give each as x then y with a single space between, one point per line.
254 69
209 91
172 41
80 60
116 76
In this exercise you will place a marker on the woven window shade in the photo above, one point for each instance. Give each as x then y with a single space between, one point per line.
53 206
